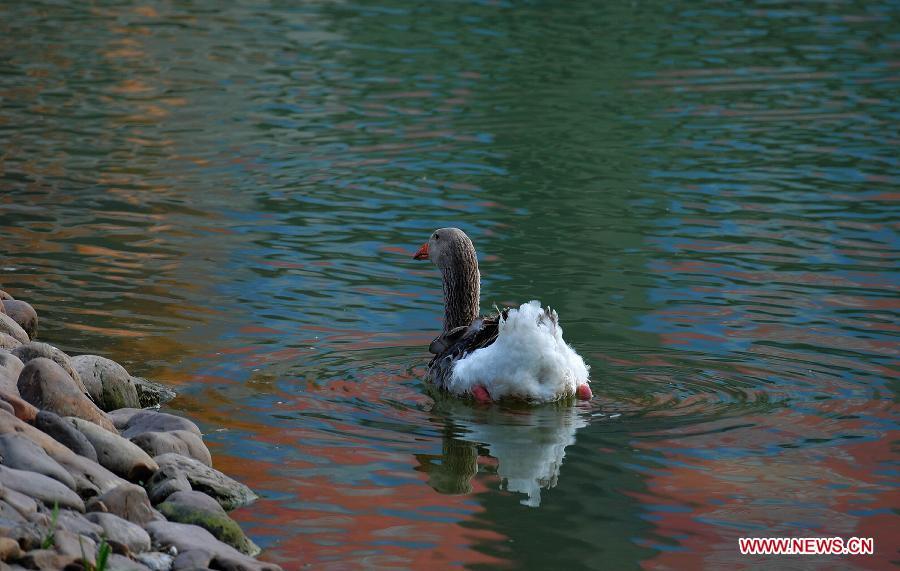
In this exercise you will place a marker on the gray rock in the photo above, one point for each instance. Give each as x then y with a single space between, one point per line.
40 487
117 454
133 421
10 368
166 481
228 492
8 342
7 407
21 502
46 385
155 560
127 501
199 509
122 535
108 382
90 477
9 326
117 562
65 433
23 314
182 442
78 547
17 451
35 349
186 538
152 394
9 513
79 524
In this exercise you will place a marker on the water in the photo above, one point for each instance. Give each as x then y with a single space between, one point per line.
227 199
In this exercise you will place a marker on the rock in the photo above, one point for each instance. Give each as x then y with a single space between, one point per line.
29 535
166 481
120 456
151 394
23 314
90 478
40 487
199 509
10 367
36 349
78 524
65 433
10 514
133 421
21 502
117 562
45 560
127 501
19 452
20 408
45 384
78 547
182 442
8 342
7 407
9 549
155 560
124 536
186 538
228 492
9 326
108 382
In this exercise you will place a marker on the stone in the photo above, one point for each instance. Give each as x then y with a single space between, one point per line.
9 326
151 394
40 487
7 407
166 481
65 433
124 537
10 513
17 451
155 560
45 560
182 442
23 314
78 547
90 477
192 560
228 492
29 535
10 368
45 384
127 501
199 509
8 342
117 454
20 408
9 549
21 502
36 349
133 421
79 524
186 538
108 383
117 562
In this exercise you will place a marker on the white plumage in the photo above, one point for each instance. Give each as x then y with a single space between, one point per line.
529 360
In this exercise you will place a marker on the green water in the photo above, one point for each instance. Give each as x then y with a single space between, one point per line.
227 198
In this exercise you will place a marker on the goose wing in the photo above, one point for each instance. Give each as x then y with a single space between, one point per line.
457 343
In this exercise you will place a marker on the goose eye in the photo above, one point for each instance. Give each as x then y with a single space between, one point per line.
436 237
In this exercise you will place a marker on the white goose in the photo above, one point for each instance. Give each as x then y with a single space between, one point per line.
518 353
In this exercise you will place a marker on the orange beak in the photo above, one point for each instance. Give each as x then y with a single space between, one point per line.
422 253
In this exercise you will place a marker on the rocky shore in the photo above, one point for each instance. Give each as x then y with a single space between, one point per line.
93 476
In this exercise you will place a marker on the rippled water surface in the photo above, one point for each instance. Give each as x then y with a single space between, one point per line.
226 199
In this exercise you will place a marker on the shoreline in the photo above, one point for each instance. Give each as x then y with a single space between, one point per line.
94 476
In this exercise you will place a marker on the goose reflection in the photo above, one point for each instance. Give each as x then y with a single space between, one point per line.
528 444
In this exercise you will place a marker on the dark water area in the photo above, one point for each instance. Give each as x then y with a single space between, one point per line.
226 199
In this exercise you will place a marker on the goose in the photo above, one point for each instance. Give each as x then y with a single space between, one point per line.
517 353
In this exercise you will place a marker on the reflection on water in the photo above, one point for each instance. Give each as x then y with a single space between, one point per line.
226 198
527 447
